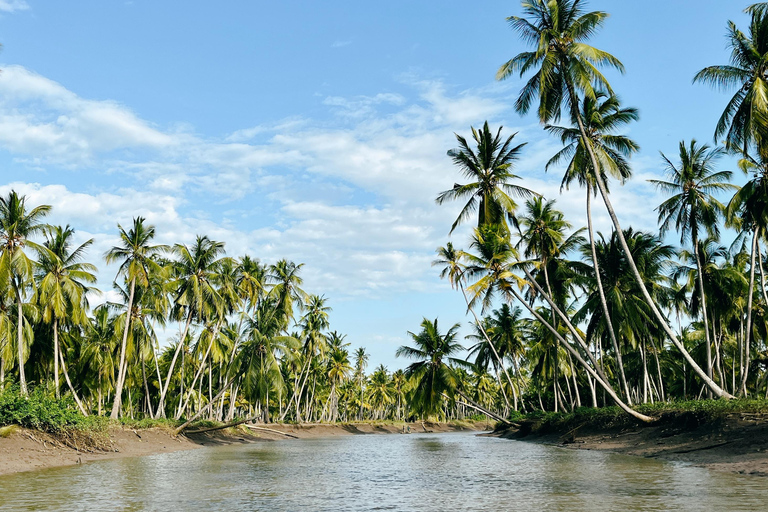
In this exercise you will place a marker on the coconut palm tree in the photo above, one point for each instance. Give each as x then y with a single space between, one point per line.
136 255
63 284
743 120
693 208
565 67
196 271
602 116
17 225
434 370
490 170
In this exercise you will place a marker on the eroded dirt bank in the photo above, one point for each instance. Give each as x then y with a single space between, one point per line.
28 450
737 442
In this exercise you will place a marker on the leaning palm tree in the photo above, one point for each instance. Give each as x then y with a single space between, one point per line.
490 170
17 225
63 285
136 256
692 208
566 67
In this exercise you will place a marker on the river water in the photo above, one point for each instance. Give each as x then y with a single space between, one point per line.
424 472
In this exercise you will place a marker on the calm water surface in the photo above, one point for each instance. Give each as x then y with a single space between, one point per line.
425 472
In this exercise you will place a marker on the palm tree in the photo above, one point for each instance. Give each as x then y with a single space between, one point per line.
196 271
567 67
433 372
17 225
602 116
63 285
452 267
693 208
490 169
742 121
136 255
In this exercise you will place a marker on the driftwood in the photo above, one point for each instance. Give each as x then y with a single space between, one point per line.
221 427
254 427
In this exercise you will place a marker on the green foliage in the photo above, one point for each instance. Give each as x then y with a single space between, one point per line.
42 412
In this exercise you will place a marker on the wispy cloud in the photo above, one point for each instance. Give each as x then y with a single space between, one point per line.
13 5
340 44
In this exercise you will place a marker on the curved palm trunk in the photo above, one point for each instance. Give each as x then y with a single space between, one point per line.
638 278
121 374
71 388
700 282
56 356
603 301
748 334
604 384
161 404
204 409
20 333
488 339
568 323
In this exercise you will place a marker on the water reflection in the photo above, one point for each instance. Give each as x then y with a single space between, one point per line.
417 472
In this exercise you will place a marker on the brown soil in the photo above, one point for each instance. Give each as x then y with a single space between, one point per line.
28 450
737 443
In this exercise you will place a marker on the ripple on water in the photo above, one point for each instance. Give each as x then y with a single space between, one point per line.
426 472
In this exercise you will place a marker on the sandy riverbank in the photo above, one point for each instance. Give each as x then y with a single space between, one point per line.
28 450
737 442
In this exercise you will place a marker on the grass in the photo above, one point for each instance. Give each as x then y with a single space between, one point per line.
702 411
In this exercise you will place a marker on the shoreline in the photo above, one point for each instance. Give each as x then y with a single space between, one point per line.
31 450
736 443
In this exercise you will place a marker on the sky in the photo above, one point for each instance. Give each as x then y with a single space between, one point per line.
317 131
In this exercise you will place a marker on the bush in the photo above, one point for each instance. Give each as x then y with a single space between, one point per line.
42 412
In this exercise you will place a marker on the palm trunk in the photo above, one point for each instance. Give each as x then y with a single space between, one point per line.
71 388
603 301
161 404
121 375
751 292
607 387
20 341
488 339
203 409
630 260
700 282
56 355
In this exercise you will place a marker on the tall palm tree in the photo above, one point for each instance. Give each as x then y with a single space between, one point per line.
742 121
693 208
747 211
602 116
17 225
136 256
490 170
361 363
63 285
196 272
569 67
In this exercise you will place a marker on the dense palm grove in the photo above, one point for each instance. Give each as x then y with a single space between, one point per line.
563 316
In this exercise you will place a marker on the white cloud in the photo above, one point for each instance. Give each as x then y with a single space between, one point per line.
340 44
13 5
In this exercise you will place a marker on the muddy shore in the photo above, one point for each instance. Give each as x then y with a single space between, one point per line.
29 450
736 443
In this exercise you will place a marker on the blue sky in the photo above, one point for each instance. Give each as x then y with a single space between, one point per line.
315 131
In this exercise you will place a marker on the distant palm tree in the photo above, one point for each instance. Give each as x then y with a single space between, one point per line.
195 276
490 170
693 208
433 371
63 285
17 225
136 254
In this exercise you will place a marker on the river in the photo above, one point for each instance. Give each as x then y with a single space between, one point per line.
424 472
